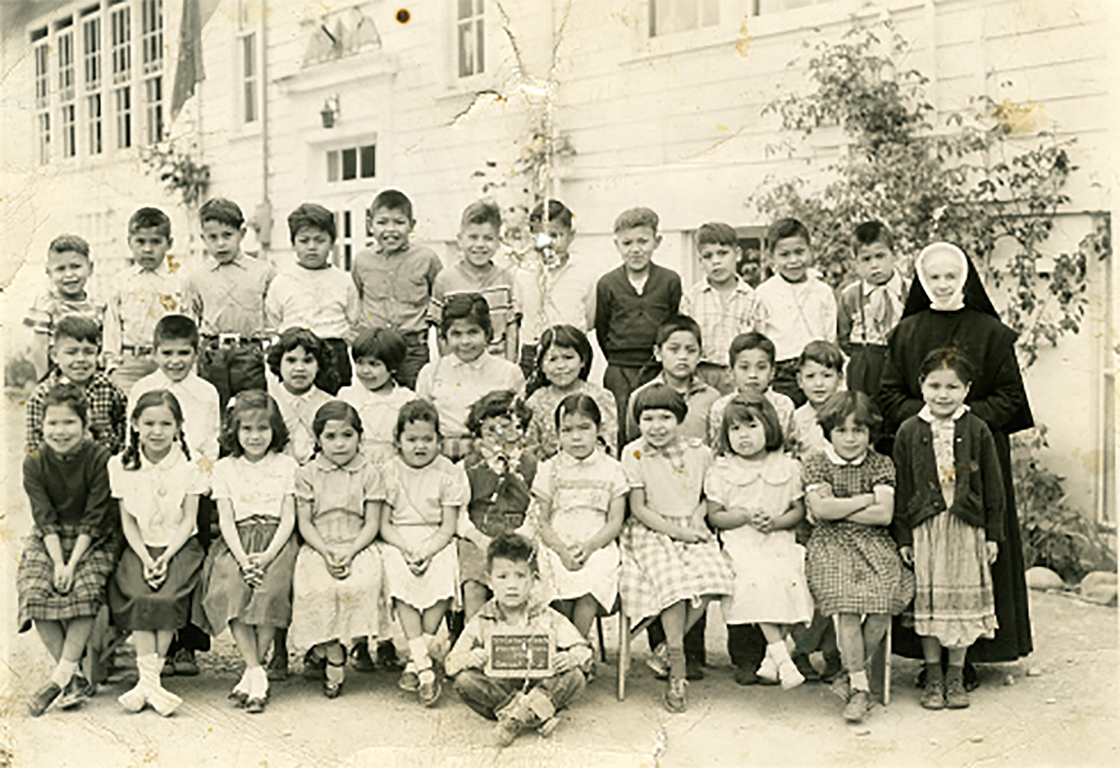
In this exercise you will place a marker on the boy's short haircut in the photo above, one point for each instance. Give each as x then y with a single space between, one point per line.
65 243
482 212
466 306
870 232
783 228
751 340
393 200
384 344
312 215
823 353
173 328
674 323
312 344
222 211
716 233
242 403
500 402
557 212
659 397
513 547
78 328
416 410
637 217
743 408
150 218
950 358
70 395
840 405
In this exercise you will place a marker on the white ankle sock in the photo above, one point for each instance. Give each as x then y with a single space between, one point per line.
418 648
63 672
778 652
258 682
858 680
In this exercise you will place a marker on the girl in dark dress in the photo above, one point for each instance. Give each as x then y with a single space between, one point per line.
948 307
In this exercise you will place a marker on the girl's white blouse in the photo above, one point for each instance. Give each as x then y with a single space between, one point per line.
154 493
255 488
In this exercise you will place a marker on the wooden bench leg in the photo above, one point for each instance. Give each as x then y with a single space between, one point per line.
623 652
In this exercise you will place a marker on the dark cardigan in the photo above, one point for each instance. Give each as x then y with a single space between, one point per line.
626 321
978 499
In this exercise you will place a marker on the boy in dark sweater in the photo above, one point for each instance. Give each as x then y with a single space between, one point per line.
630 302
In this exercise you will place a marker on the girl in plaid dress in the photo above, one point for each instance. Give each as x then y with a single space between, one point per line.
71 550
581 501
754 499
247 577
671 563
855 574
150 593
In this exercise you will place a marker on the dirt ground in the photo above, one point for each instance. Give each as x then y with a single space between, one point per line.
1066 714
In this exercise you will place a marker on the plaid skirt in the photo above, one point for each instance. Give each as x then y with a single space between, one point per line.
855 568
658 571
136 606
953 597
223 594
40 601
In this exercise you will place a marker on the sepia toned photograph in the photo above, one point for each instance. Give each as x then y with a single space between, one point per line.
645 383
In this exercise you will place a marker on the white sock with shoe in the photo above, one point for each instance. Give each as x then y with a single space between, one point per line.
64 672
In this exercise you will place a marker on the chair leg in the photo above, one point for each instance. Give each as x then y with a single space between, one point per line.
887 668
602 645
623 653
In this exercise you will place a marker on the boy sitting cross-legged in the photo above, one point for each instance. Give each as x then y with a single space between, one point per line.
517 703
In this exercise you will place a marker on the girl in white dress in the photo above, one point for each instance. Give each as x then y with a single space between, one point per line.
581 502
755 501
424 493
378 353
337 581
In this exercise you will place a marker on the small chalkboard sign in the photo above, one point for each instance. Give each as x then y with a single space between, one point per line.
519 652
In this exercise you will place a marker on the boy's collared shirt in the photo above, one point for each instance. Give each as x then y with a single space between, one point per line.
868 313
140 299
50 307
547 296
201 413
495 285
229 298
793 314
537 616
325 301
699 398
722 317
396 288
107 408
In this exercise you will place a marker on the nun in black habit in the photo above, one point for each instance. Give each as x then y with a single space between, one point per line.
958 313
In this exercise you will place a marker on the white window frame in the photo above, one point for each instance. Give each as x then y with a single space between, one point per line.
93 77
478 17
121 41
41 54
67 89
151 44
657 11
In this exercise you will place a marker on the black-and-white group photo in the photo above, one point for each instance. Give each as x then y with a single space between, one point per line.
548 382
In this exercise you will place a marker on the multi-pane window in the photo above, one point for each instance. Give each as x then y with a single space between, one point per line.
669 16
91 58
249 78
351 163
767 7
66 93
471 37
100 78
42 56
120 21
151 45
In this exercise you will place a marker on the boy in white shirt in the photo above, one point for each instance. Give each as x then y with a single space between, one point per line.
315 295
794 306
